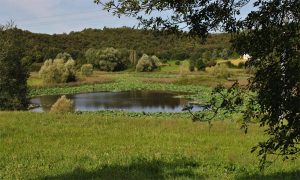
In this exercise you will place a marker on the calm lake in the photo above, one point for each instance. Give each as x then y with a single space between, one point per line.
132 101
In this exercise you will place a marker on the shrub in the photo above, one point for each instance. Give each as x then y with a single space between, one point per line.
64 56
62 105
180 55
241 65
224 54
206 55
177 63
200 64
91 56
221 71
155 62
70 70
191 68
211 63
147 64
57 71
214 55
87 69
109 59
35 67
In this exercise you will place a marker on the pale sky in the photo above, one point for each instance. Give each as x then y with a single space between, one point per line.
59 16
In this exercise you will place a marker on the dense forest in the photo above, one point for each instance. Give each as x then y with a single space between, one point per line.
40 47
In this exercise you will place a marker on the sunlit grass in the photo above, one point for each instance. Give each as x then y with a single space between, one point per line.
132 146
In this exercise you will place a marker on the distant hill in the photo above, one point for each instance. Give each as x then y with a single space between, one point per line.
39 47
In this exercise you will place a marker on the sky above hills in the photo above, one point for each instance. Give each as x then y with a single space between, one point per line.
59 16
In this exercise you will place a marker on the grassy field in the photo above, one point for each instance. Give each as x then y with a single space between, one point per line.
129 146
120 145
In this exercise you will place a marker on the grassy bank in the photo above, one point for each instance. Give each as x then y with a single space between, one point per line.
129 146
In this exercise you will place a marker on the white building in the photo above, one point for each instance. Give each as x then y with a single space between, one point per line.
246 57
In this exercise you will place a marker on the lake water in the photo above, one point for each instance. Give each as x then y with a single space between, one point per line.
132 101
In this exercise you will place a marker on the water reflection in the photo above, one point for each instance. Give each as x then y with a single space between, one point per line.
133 101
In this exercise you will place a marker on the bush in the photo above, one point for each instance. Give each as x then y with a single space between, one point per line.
200 64
87 69
109 59
241 65
224 54
177 62
64 56
156 62
147 64
180 55
62 105
57 71
192 67
35 67
221 71
211 63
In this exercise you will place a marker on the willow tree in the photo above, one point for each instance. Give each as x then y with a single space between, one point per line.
269 33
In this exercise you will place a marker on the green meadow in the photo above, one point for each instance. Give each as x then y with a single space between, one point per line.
116 145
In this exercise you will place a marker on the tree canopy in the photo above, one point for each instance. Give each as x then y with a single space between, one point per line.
13 76
41 47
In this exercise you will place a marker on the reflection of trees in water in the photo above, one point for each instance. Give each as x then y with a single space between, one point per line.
143 99
120 100
46 102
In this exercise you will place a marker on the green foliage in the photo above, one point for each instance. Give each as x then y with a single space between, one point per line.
180 55
206 55
40 47
211 63
191 67
64 56
87 69
91 56
177 62
224 54
214 55
241 65
109 59
200 64
221 71
62 105
13 76
35 67
201 60
147 64
58 71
